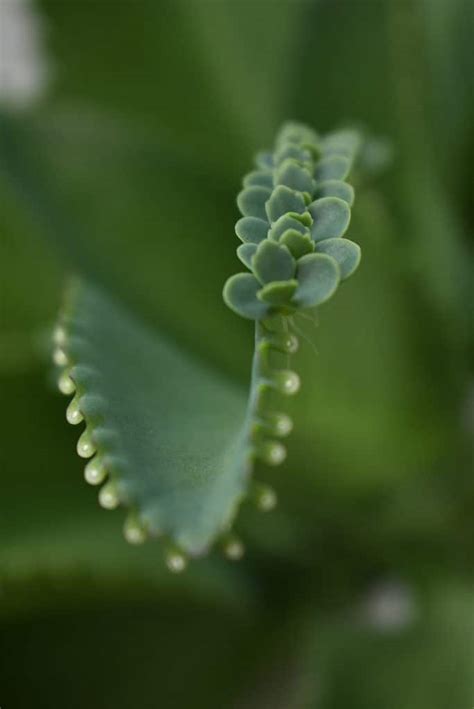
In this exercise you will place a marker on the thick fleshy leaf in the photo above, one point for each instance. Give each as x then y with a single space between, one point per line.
167 430
278 292
318 277
264 160
251 229
293 152
245 252
283 224
335 167
240 294
259 178
282 201
342 142
331 217
344 251
251 201
335 188
298 244
291 174
297 134
273 262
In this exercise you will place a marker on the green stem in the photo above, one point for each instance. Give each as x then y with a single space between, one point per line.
273 343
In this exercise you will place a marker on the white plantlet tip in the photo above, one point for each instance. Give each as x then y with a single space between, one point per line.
291 344
73 413
291 383
272 452
59 357
234 549
176 562
66 385
108 497
283 425
94 472
85 446
267 500
59 336
133 532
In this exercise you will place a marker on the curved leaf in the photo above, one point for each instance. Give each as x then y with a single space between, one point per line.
331 218
345 252
251 201
335 167
282 201
335 188
273 262
245 253
318 278
251 229
240 294
167 431
278 292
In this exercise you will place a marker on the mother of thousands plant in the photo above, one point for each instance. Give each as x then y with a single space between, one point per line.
166 437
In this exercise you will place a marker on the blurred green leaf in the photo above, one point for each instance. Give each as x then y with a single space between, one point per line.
169 432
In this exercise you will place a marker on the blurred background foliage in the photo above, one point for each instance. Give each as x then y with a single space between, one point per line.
358 591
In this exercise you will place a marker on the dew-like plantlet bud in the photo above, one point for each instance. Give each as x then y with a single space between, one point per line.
95 472
66 385
108 496
278 424
73 413
285 381
59 357
233 548
176 561
133 531
271 452
85 445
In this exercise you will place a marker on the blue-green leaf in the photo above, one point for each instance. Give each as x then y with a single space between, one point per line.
166 430
259 178
335 167
240 294
251 201
284 200
335 188
291 174
251 229
331 218
298 244
318 277
284 223
345 252
273 262
278 293
245 252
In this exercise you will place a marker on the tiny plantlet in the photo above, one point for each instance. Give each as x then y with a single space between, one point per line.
165 437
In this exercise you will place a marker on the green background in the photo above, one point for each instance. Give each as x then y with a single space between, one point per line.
152 116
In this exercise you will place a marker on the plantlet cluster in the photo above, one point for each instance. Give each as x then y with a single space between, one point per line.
166 439
296 209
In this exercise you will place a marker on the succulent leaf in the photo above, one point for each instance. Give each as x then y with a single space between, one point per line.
334 167
251 201
335 188
240 294
297 243
318 278
278 293
331 217
345 252
251 229
245 252
273 262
